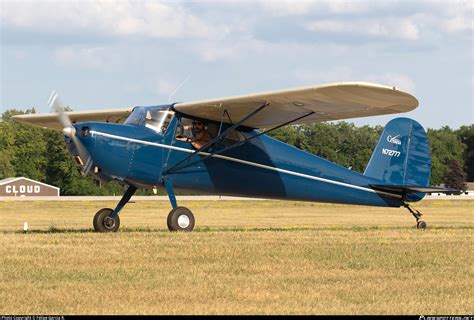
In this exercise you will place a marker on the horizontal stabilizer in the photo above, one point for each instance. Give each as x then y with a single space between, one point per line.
408 189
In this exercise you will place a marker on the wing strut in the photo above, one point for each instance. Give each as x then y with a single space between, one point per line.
176 168
220 136
222 121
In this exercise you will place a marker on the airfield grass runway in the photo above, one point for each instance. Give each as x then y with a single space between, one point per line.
244 257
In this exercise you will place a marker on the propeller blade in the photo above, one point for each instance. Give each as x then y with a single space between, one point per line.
55 105
69 130
82 151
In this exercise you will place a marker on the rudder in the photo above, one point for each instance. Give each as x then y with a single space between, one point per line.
402 155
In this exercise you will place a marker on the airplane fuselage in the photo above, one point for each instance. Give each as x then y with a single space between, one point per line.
262 167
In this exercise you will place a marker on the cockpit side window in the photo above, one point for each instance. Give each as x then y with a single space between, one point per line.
158 120
198 136
185 128
233 137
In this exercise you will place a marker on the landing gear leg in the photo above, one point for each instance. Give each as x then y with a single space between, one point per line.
179 218
420 224
106 219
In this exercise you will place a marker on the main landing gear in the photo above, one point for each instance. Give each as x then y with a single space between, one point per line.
420 224
179 218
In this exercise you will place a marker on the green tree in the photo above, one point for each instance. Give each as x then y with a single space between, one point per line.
61 170
455 177
6 116
25 149
466 135
320 139
289 134
7 141
445 145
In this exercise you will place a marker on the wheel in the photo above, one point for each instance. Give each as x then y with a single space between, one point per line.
103 223
180 219
421 224
95 220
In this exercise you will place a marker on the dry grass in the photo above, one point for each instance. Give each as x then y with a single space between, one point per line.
246 258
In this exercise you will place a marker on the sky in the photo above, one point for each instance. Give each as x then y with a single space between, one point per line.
109 54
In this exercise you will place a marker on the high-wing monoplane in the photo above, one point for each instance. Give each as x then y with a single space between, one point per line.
220 146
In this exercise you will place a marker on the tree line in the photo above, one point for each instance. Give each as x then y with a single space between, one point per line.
452 151
41 154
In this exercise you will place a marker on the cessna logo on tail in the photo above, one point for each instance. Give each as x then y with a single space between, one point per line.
394 140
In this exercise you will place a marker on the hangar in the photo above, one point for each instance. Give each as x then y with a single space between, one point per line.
24 187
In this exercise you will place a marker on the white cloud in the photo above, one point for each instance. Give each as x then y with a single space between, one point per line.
95 58
231 50
288 7
458 23
402 28
307 76
344 74
147 18
448 16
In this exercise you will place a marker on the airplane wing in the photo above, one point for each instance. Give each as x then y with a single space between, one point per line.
335 101
50 120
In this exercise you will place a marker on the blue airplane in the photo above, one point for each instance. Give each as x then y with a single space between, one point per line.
220 146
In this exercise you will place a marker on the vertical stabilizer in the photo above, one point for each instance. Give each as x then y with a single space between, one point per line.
402 155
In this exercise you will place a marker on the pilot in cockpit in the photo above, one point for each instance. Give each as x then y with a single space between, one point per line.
200 136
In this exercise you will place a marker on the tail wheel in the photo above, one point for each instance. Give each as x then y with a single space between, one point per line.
104 223
180 219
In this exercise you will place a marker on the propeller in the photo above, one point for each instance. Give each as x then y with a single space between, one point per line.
69 130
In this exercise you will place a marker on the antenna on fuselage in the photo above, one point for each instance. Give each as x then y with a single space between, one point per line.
178 87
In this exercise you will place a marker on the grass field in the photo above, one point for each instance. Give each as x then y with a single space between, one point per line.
248 257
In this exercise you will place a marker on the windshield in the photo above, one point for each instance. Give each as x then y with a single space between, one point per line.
158 120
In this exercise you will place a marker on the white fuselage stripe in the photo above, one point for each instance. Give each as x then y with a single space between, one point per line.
165 146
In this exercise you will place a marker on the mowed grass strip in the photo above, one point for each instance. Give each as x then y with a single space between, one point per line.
151 215
249 258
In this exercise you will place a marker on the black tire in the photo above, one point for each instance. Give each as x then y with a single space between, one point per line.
102 222
181 219
421 224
